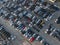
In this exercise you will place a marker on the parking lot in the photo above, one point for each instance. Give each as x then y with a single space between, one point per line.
31 20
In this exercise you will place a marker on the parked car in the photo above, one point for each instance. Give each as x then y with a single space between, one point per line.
36 29
6 16
23 32
58 31
28 16
57 20
1 27
28 33
54 7
12 17
52 29
42 11
47 16
1 12
34 21
31 39
36 9
40 39
45 43
34 36
21 27
40 24
32 7
11 22
47 31
25 13
56 35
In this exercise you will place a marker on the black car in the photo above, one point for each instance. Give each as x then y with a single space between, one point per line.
45 43
54 7
58 22
36 29
58 31
48 32
46 14
40 38
40 24
56 35
41 11
23 32
49 27
32 7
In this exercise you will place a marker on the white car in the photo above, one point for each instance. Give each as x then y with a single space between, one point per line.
48 18
30 25
29 15
36 9
19 22
46 30
13 37
42 41
11 22
52 32
56 20
26 28
37 37
1 27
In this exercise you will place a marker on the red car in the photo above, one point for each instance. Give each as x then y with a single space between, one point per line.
31 39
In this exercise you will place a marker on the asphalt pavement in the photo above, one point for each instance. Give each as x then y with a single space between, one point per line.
19 38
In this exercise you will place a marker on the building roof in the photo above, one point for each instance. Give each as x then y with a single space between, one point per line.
52 1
